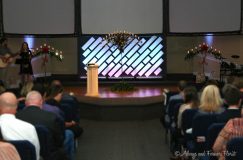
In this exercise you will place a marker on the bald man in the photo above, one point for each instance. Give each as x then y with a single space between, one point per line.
34 114
13 128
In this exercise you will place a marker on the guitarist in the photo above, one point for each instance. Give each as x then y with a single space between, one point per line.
3 51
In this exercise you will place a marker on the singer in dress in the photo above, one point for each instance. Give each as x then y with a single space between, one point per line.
26 71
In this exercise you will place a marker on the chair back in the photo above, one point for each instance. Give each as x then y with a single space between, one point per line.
25 149
187 117
73 102
45 141
212 133
173 104
68 111
167 96
235 148
200 125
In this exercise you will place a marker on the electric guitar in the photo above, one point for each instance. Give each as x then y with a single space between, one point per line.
7 59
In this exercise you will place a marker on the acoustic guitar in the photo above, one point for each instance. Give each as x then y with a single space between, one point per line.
7 59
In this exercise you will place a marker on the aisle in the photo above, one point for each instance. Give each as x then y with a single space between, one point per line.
122 140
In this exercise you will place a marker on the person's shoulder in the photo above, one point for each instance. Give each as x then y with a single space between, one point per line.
49 116
176 97
24 124
237 120
47 113
51 107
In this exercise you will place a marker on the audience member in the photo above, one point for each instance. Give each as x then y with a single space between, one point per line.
210 101
233 128
69 136
70 99
181 86
54 98
33 114
190 101
8 152
13 128
47 107
232 98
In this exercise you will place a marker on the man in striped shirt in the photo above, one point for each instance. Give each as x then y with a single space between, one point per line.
8 152
233 128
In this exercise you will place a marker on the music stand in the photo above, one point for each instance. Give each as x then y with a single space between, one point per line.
18 61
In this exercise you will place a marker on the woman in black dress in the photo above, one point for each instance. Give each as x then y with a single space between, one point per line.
25 67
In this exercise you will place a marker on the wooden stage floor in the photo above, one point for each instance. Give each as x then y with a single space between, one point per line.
140 91
145 102
143 94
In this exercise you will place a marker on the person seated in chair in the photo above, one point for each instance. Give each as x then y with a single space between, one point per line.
13 128
233 129
211 101
34 114
181 86
232 98
191 101
53 98
8 151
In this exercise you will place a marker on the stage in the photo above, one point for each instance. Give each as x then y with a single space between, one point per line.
145 102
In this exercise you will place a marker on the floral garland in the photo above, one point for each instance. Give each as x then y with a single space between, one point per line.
203 49
48 50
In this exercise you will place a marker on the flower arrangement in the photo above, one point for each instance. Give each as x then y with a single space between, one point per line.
48 50
120 39
203 49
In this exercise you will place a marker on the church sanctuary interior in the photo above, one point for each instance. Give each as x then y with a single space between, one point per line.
121 80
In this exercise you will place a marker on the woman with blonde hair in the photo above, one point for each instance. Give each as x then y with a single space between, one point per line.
211 100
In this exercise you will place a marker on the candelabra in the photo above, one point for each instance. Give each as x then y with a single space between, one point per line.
204 50
45 51
120 39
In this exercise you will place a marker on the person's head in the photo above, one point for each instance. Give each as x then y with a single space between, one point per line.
231 95
191 96
33 98
25 46
182 85
8 103
55 92
4 42
56 82
210 99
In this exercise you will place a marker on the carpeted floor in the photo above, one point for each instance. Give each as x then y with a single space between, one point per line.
122 140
